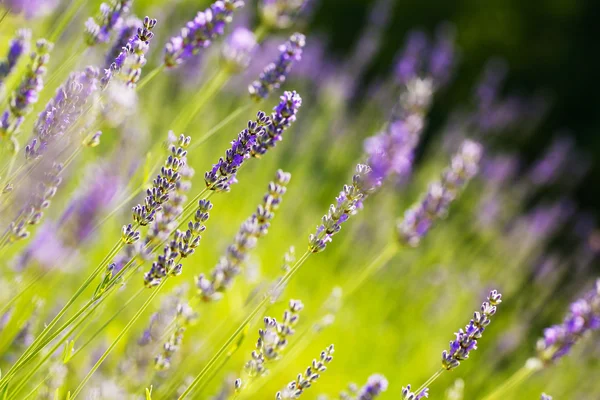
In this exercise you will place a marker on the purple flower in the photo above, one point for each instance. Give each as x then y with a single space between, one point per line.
280 13
419 219
548 168
408 395
98 30
63 111
376 385
276 73
466 341
126 32
16 47
32 8
26 95
282 117
583 317
256 226
545 397
200 32
237 49
132 58
410 63
348 202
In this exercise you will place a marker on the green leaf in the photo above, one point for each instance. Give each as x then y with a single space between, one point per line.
149 393
68 351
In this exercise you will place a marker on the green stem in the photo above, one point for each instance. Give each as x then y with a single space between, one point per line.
430 381
531 366
66 16
119 337
250 316
220 125
378 262
148 77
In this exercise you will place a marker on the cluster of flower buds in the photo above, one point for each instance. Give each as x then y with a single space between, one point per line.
97 30
408 395
466 340
306 379
184 317
16 47
282 117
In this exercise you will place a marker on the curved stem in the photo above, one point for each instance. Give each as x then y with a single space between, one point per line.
148 77
430 380
531 366
220 125
378 262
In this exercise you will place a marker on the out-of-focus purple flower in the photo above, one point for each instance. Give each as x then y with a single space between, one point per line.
200 32
238 48
408 395
419 219
22 100
126 32
16 47
443 55
348 202
411 61
376 385
47 249
130 61
583 317
63 110
499 169
276 73
545 397
280 14
32 8
282 117
488 88
545 220
547 169
98 30
466 341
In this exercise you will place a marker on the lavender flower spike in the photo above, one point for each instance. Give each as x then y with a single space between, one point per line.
272 340
130 61
97 30
419 219
16 47
376 384
200 32
348 203
583 317
276 73
305 380
237 49
284 114
22 100
128 29
280 13
255 227
545 397
466 340
408 395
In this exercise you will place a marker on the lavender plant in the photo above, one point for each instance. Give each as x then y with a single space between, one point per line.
16 47
305 380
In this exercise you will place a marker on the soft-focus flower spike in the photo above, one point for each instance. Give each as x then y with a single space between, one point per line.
33 212
98 30
412 59
443 54
583 317
16 47
63 111
27 94
280 14
184 317
129 62
272 340
32 8
200 32
348 203
256 226
466 340
305 380
238 48
275 74
182 245
408 395
126 32
282 117
376 384
419 219
545 397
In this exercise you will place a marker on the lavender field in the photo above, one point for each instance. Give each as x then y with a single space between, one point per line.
202 201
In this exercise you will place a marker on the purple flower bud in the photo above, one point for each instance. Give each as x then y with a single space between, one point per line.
408 395
238 48
200 32
376 385
98 30
276 73
466 341
16 47
583 317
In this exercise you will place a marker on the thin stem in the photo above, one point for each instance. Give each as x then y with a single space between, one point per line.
531 366
220 125
120 336
430 380
378 262
148 77
198 379
66 16
22 291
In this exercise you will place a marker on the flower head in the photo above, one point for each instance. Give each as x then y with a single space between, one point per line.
238 48
466 340
376 385
306 379
276 73
98 29
16 47
200 32
583 317
408 395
